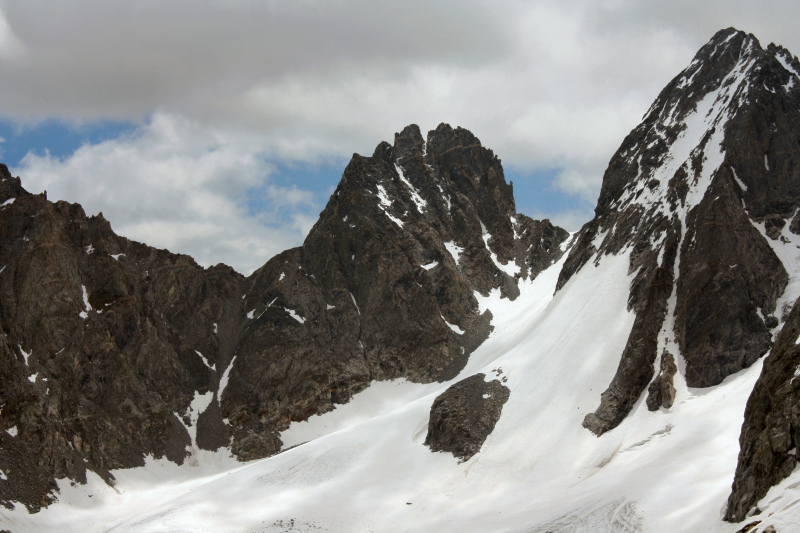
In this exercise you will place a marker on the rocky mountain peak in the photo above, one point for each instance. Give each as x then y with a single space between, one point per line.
684 129
695 195
111 350
10 187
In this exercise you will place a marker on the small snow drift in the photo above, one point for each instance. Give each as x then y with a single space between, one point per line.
464 415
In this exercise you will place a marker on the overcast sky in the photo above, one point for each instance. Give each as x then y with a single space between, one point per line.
219 129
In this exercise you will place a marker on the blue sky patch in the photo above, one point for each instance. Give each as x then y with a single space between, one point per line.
536 193
60 138
290 180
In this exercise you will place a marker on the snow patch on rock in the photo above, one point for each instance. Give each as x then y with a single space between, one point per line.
454 250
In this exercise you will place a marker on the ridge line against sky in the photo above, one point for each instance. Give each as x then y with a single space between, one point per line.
220 129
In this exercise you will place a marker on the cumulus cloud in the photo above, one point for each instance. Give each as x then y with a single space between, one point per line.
546 83
176 185
569 219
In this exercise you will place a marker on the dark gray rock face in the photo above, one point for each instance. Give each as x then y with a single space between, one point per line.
661 392
730 279
636 364
98 339
771 430
714 156
106 344
464 415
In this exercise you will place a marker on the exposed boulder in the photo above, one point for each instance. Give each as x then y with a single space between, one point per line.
464 415
661 392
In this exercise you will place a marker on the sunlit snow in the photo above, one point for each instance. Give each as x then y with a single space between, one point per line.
364 463
454 250
86 305
418 200
203 357
294 315
453 327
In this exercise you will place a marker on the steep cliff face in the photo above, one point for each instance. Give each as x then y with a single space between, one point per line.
112 350
693 195
771 429
101 345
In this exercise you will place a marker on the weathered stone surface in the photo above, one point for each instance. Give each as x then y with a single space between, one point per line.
661 392
98 337
105 343
464 415
730 278
771 430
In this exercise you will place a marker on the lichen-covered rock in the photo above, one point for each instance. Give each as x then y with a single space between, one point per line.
464 415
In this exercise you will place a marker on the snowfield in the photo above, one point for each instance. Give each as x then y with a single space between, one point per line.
364 468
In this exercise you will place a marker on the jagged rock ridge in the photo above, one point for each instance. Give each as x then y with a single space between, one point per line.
692 194
113 350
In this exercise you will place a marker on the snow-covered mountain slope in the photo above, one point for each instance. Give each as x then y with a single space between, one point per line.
627 363
365 468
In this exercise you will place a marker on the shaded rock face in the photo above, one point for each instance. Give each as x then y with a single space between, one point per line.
464 415
771 430
112 350
97 339
692 195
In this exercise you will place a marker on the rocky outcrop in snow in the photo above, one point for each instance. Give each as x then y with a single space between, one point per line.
464 415
661 392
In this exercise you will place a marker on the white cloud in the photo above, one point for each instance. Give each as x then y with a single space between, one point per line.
569 219
176 185
10 46
545 84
